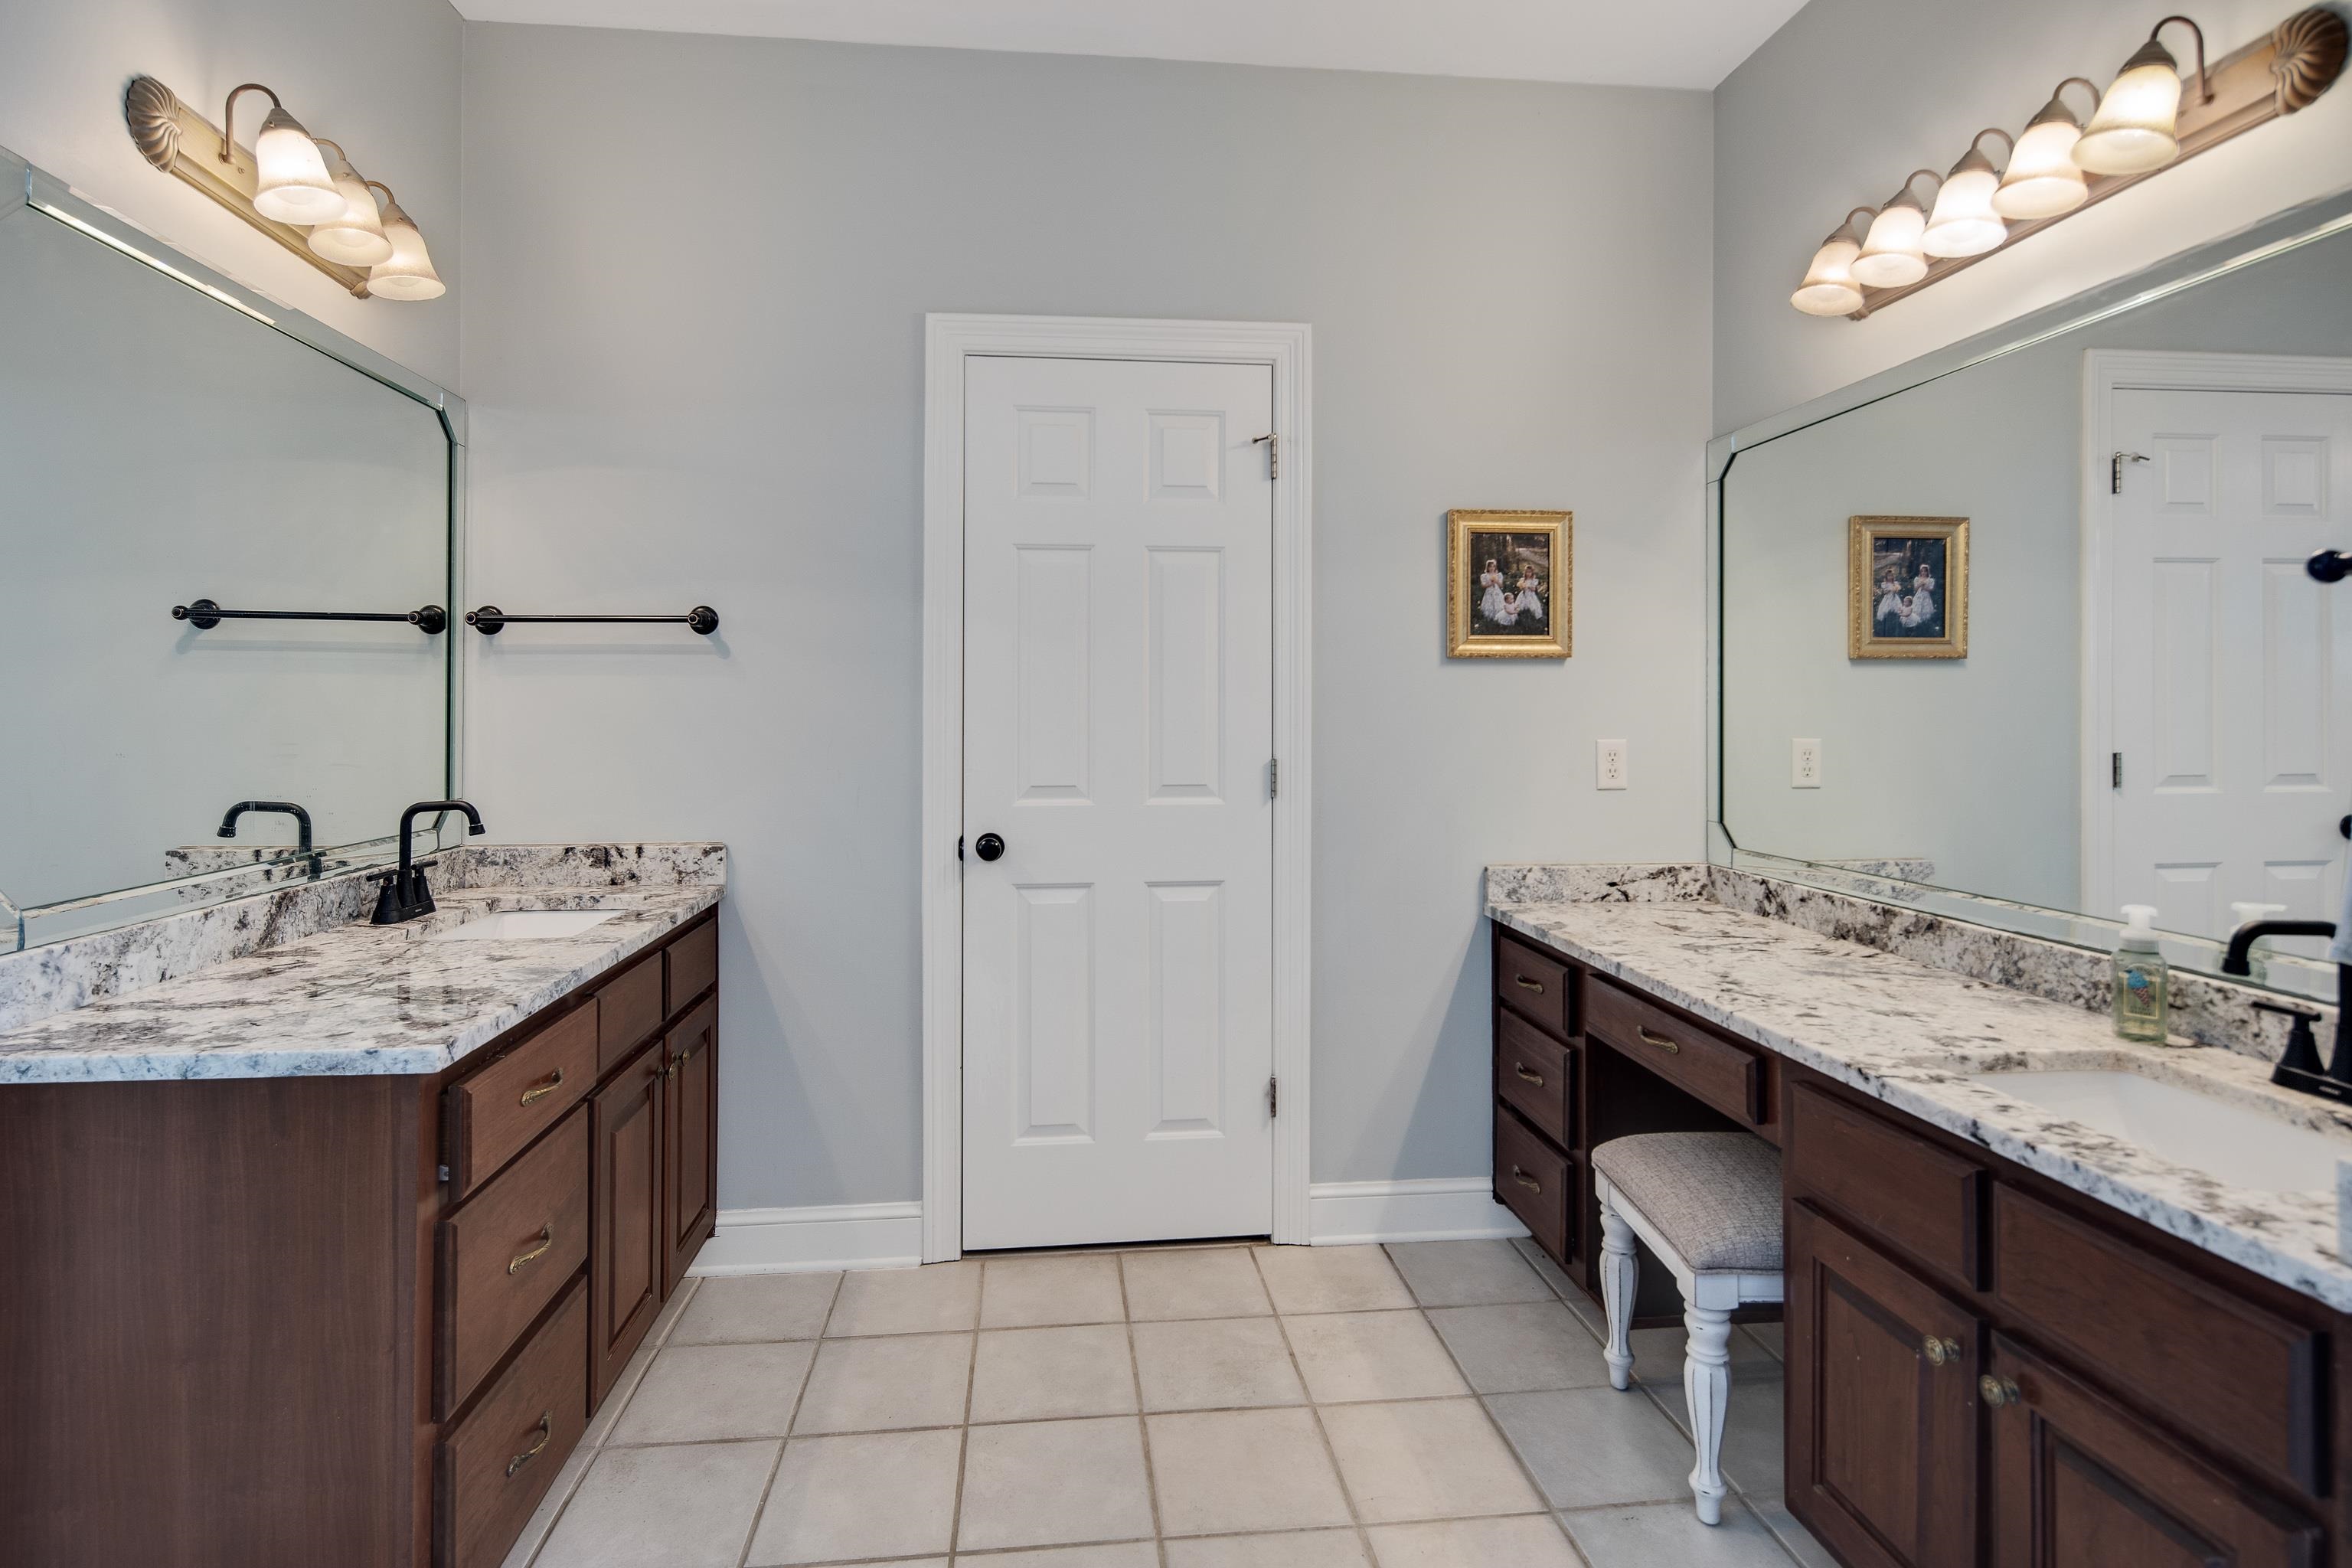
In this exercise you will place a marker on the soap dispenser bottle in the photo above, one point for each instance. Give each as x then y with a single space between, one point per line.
2142 983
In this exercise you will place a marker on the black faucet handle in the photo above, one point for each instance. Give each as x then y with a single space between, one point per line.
2286 1010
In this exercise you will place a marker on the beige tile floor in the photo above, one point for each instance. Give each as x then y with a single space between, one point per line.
1436 1405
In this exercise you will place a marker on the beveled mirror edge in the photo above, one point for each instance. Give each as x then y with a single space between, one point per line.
24 186
2291 228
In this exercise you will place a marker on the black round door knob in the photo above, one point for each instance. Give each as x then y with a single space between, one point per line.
988 846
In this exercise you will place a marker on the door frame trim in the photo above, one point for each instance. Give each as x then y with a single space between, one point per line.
1285 347
2106 372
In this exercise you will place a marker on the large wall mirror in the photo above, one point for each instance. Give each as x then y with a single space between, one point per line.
2117 684
168 438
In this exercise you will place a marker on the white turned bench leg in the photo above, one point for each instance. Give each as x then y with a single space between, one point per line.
1707 1389
1620 1275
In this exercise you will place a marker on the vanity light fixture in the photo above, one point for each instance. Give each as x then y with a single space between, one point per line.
1964 222
1829 288
1891 257
318 207
2042 179
2147 120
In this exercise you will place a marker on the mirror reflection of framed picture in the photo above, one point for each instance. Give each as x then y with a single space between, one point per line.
1907 588
1510 584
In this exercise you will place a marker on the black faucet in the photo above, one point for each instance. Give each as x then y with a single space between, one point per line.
286 808
2299 1067
404 895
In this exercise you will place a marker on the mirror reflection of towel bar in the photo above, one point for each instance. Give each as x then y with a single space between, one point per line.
204 614
489 620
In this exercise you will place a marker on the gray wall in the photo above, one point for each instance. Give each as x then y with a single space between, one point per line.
380 77
1852 95
694 363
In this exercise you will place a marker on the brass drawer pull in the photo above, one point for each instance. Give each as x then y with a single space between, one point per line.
1527 984
1939 1352
1527 1181
1534 1077
546 1240
546 1431
543 1089
1652 1037
1997 1391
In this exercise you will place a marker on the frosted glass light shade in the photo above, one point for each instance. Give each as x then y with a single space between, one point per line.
293 186
1891 257
1964 223
2044 179
408 273
1829 288
357 237
2134 128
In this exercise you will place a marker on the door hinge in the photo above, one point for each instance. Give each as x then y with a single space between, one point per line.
2115 770
1273 455
1273 777
2116 470
1273 1097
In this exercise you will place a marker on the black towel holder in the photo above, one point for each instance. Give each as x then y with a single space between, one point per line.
204 614
489 620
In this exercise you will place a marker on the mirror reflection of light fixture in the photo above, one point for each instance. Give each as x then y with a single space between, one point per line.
356 239
1964 222
1891 257
2137 128
293 184
1829 288
2042 179
407 273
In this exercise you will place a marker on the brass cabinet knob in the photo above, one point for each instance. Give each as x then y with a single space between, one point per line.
1997 1391
1939 1352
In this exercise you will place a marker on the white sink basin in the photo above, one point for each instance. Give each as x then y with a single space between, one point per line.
511 925
2241 1147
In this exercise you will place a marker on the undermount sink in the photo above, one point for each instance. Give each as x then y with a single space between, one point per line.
2229 1142
525 925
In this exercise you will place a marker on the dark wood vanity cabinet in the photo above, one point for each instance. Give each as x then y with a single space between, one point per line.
357 1321
1985 1369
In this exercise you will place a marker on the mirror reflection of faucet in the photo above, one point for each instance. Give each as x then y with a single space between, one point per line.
275 807
406 895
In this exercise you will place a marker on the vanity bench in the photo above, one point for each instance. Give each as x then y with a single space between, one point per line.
340 1316
1983 1364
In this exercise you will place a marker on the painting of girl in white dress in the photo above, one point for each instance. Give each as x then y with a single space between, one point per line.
1910 588
1508 578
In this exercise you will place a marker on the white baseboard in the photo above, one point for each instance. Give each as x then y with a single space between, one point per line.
1449 1209
794 1241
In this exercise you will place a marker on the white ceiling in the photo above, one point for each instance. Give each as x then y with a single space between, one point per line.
1665 43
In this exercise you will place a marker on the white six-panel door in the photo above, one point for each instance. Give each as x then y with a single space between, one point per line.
1118 723
2231 669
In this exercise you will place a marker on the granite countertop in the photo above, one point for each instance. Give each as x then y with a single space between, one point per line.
355 1000
1911 1036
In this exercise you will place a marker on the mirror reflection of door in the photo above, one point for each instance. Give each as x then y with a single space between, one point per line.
2231 668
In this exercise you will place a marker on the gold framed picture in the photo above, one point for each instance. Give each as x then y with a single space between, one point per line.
1509 584
1907 588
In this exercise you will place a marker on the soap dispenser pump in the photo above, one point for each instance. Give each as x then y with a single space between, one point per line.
2142 983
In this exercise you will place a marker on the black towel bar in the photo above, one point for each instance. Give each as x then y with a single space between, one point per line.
204 614
489 620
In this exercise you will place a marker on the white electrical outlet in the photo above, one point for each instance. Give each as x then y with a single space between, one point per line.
1804 764
1608 764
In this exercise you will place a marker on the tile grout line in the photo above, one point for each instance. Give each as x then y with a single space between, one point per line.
768 1488
1143 1426
1315 1412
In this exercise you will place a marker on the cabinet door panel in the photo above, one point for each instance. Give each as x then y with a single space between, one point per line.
1882 1405
2078 1483
624 1266
690 1151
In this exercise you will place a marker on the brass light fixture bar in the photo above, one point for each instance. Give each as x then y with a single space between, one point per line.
2276 75
182 142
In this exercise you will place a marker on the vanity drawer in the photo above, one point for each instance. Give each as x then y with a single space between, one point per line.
495 1466
1727 1077
628 1008
693 961
1535 1181
2232 1375
1532 1075
1536 985
505 1254
1890 1184
494 1112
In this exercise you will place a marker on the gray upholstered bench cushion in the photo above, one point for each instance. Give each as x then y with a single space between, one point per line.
1715 1196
